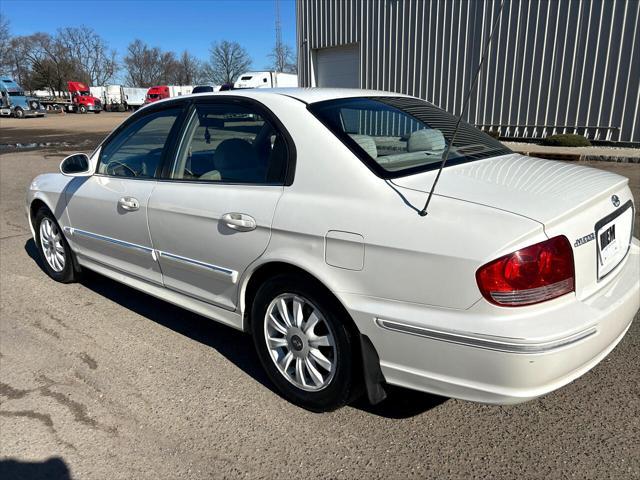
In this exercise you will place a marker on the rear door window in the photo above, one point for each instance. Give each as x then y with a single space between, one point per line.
231 143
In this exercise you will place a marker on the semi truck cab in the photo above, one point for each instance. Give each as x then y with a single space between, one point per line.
14 102
159 92
81 98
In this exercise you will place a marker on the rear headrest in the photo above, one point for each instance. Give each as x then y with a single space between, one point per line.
367 143
427 139
234 154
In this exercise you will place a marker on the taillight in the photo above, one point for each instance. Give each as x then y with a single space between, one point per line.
531 275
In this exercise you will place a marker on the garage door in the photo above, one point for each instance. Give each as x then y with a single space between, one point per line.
338 67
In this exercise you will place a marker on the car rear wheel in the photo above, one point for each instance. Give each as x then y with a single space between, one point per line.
54 250
303 342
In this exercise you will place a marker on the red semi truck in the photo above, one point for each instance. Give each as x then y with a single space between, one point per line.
161 92
82 100
79 100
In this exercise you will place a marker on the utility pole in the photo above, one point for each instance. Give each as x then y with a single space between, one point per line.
278 50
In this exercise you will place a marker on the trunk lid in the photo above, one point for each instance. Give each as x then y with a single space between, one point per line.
568 199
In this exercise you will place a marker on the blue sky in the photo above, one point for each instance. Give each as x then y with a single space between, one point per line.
169 24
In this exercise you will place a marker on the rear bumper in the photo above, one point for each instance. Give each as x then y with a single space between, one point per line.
499 355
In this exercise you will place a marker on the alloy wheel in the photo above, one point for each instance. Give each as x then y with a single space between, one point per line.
300 342
51 242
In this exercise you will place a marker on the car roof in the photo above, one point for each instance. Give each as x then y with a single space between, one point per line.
307 95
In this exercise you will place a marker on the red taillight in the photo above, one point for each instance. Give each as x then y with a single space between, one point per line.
531 275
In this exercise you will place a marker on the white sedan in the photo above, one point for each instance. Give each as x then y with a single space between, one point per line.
294 215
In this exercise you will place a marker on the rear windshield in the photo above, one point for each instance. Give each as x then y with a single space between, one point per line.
397 136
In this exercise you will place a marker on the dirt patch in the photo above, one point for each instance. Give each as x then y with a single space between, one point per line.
83 132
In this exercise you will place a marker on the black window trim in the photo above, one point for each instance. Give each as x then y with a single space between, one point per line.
261 109
361 154
169 144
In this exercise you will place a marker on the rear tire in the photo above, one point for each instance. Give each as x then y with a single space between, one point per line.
310 352
54 250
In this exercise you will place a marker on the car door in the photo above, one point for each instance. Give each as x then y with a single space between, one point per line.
210 217
108 210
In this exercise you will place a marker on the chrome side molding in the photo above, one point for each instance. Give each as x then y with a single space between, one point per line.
115 241
225 271
156 254
505 346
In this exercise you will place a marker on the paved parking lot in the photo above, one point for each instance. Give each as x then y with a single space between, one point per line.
99 381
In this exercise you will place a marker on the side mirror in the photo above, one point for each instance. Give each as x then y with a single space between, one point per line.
76 165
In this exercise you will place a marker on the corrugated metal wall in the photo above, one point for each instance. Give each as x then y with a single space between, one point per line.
554 65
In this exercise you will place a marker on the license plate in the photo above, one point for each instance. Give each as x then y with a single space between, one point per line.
608 244
613 235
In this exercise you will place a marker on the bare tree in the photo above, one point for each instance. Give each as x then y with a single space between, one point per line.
283 58
84 47
143 64
227 60
187 70
5 39
40 61
45 61
149 66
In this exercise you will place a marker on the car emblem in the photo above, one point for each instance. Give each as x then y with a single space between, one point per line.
615 200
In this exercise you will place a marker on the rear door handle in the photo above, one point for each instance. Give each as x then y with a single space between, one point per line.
129 203
239 221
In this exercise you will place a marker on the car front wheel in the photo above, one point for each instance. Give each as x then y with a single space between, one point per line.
53 248
303 343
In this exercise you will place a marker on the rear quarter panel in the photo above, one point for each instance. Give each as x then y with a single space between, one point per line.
427 260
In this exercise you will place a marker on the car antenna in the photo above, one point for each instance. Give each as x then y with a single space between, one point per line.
445 157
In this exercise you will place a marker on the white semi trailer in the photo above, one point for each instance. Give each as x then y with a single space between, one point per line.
266 80
119 98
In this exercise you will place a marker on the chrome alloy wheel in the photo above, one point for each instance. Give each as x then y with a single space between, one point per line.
51 242
300 342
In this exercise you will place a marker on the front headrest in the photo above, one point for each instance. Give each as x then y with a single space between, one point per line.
427 139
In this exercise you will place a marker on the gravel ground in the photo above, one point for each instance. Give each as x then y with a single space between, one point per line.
99 381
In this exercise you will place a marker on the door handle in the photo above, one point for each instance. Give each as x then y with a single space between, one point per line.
129 203
239 221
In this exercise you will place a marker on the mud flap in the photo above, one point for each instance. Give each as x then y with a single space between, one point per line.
373 377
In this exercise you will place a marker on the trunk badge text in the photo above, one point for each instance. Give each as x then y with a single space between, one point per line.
615 200
585 239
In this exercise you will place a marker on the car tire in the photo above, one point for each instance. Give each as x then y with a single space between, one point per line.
57 257
18 112
82 109
97 111
311 356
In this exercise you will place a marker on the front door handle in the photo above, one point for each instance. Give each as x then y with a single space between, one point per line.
129 203
239 221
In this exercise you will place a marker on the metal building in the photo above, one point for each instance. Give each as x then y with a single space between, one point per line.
554 66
